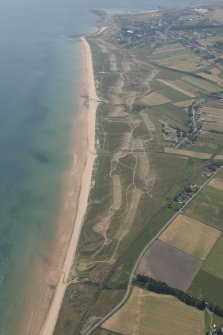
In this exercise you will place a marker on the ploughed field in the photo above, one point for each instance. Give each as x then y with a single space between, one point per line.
166 263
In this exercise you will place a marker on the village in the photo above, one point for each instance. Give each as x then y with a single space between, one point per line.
179 138
186 27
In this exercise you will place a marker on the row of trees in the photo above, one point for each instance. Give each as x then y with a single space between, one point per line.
162 288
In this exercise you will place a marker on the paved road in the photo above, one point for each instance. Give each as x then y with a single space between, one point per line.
131 276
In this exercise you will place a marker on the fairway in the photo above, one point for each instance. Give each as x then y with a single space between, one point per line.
190 236
149 313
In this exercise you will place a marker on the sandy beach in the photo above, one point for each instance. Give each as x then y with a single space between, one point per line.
53 275
92 105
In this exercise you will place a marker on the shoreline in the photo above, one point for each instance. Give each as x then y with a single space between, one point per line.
51 275
86 176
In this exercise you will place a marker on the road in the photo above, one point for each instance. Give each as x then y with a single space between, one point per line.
131 276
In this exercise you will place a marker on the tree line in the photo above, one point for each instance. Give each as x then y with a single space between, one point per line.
161 287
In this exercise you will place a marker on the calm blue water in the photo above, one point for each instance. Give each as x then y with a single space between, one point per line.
39 73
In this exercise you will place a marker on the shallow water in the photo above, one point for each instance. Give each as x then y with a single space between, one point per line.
39 75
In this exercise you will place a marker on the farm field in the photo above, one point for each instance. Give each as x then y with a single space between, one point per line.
213 118
207 286
190 236
207 207
213 263
149 313
154 99
187 153
217 184
137 174
181 60
166 263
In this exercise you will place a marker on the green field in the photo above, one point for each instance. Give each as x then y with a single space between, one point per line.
77 299
213 263
149 313
211 320
208 287
208 207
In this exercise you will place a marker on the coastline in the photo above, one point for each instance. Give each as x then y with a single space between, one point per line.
50 277
89 90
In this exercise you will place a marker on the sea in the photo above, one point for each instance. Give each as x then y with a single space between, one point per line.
39 87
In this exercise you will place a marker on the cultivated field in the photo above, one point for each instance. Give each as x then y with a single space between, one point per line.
190 236
213 263
181 60
149 313
207 286
207 207
134 178
154 99
217 184
187 153
213 118
166 263
175 85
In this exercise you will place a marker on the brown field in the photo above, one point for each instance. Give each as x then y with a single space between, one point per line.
191 236
211 77
217 184
166 263
174 84
154 99
184 103
213 118
188 153
215 104
169 48
184 61
147 313
219 157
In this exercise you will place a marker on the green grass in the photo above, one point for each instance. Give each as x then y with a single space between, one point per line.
220 174
208 207
174 115
172 192
217 320
168 92
213 264
208 287
77 298
203 146
202 83
106 300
